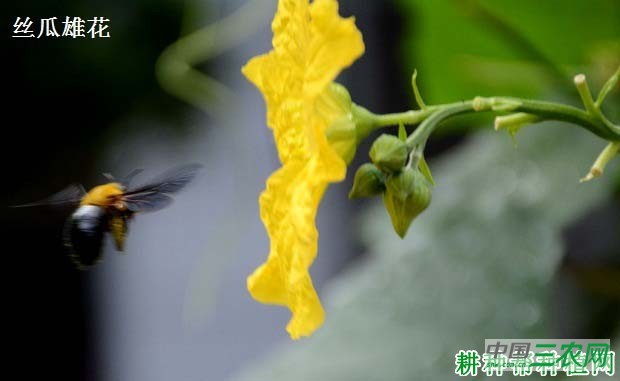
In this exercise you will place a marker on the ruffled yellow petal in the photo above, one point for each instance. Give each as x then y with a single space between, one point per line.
336 43
312 44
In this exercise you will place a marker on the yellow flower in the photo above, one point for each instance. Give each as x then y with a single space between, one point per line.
311 45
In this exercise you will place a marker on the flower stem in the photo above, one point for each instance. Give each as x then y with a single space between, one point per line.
608 87
605 157
411 117
514 122
513 113
564 113
428 126
430 118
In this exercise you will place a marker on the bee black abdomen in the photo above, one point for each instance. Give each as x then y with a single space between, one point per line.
84 233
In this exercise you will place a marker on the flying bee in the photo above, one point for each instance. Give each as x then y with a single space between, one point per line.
109 208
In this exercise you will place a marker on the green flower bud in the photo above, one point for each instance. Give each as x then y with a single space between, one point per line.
342 137
389 153
407 195
369 182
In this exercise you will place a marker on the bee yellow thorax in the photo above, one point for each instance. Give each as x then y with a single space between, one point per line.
103 195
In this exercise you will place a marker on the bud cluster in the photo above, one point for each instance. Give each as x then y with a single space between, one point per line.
405 189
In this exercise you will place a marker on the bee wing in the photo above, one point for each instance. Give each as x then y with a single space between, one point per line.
156 194
70 196
132 175
147 202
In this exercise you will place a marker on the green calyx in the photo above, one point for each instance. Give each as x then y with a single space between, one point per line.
406 196
342 137
354 124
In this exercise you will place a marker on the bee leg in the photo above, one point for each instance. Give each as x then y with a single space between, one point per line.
118 228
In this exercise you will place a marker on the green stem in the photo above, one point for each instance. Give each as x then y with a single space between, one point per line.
608 87
570 114
611 151
431 117
422 133
411 117
177 67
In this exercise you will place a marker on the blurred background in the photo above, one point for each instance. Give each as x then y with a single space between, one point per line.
512 246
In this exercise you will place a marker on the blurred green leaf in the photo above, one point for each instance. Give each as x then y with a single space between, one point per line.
467 48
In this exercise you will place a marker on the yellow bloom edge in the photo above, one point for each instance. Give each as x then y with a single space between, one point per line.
311 45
